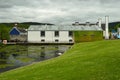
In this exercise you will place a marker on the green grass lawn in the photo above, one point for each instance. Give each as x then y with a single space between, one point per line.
98 60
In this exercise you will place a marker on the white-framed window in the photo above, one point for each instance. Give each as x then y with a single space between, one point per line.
56 33
42 40
56 40
70 33
42 33
70 40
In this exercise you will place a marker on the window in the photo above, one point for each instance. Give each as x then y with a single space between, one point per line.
56 33
70 33
70 40
42 33
56 40
42 40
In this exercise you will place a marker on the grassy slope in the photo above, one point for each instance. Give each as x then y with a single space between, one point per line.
85 61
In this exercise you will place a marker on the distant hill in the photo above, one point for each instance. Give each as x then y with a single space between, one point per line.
112 25
26 23
36 23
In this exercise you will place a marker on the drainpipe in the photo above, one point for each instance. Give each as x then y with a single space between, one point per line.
106 27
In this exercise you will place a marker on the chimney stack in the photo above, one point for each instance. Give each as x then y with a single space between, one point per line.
106 27
99 22
76 24
87 23
15 25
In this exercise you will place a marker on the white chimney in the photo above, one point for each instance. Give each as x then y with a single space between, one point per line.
87 23
106 27
99 22
15 25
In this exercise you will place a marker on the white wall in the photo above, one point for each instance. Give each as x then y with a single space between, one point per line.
48 36
118 30
63 37
34 37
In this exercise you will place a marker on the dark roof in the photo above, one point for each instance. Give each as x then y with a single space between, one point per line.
64 28
14 31
22 30
17 31
103 26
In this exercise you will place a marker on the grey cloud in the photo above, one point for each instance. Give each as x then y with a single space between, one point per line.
5 6
58 11
109 1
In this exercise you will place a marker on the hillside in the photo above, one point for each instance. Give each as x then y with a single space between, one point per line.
114 25
98 60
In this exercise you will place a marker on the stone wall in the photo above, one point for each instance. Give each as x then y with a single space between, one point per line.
18 38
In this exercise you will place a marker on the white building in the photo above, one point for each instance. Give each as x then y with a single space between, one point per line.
56 34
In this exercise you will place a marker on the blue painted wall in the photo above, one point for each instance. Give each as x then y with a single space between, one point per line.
14 31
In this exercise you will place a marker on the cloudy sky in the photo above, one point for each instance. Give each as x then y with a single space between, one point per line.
58 11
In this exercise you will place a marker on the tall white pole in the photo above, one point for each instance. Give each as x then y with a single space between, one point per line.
106 27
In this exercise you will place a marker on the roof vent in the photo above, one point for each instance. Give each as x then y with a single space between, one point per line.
87 23
76 23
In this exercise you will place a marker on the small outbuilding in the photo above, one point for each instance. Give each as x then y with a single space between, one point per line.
18 34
